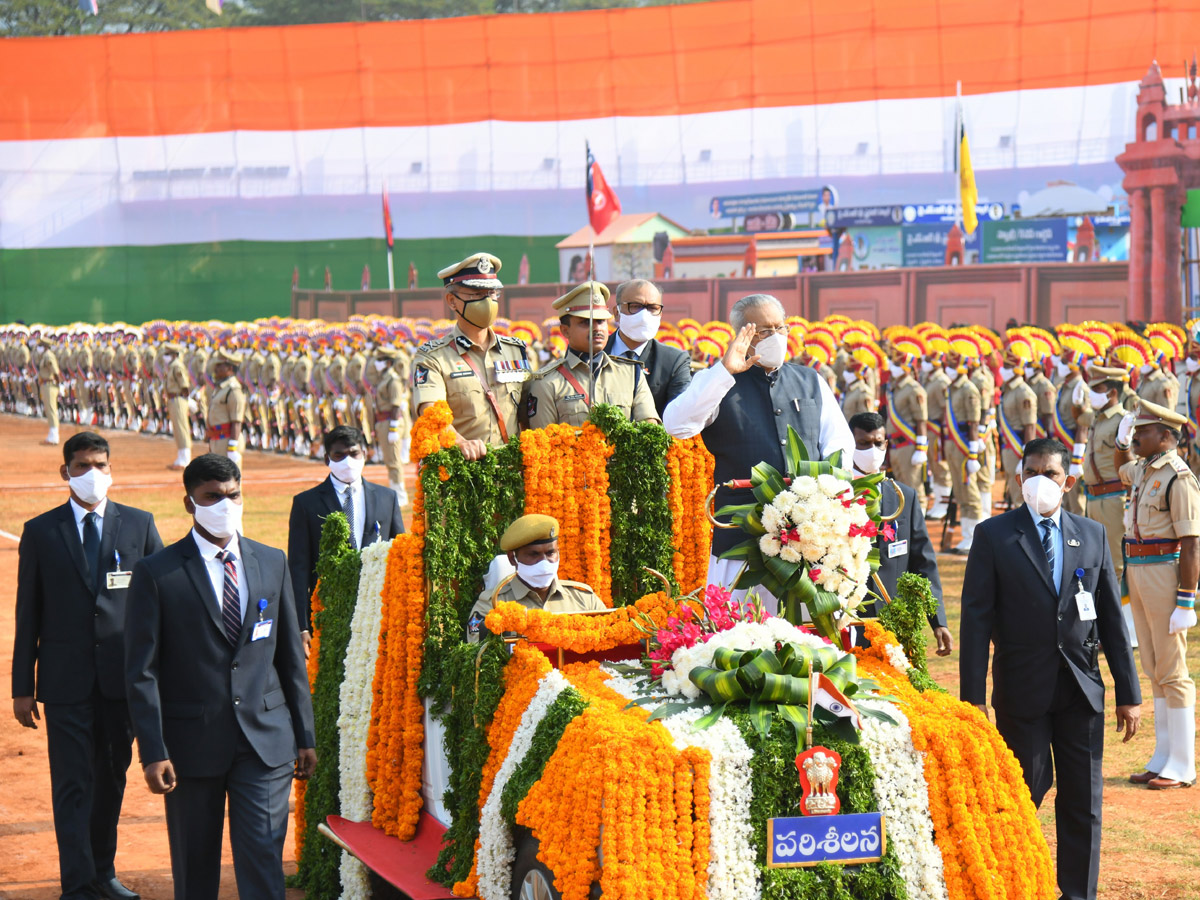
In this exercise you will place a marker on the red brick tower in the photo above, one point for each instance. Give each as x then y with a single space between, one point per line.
1160 165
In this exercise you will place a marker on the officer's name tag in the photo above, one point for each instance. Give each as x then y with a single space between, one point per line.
118 581
1087 606
897 548
573 397
261 630
467 373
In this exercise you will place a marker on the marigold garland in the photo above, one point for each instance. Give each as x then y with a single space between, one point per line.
985 823
581 634
314 655
566 476
432 431
691 467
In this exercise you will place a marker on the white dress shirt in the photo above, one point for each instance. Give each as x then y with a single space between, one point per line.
1056 537
619 347
697 407
360 505
80 512
216 570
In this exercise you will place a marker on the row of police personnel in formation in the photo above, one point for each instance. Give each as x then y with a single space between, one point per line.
944 409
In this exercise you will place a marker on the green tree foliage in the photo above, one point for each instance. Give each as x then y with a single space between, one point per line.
31 18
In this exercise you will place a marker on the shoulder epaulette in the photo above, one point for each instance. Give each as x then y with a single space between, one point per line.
576 584
509 339
549 367
625 359
434 344
1179 465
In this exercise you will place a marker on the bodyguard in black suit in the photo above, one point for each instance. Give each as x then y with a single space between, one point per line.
375 510
218 692
638 310
1040 586
72 580
910 549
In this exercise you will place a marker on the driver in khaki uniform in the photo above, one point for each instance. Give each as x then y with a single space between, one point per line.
476 371
560 393
531 543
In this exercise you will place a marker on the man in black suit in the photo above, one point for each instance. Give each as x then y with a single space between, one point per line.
910 549
218 692
1040 587
637 306
72 580
372 509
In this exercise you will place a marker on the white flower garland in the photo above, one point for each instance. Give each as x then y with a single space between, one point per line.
903 798
354 709
733 873
493 864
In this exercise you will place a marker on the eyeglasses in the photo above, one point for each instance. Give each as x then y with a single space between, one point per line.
490 295
768 332
632 309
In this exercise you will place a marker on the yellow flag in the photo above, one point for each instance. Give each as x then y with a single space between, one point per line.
968 195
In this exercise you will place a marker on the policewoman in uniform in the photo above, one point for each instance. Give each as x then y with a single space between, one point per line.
479 373
227 409
1162 564
531 543
177 387
964 448
1017 413
48 375
907 418
564 391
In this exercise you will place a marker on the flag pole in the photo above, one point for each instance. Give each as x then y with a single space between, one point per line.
391 273
388 237
591 343
958 130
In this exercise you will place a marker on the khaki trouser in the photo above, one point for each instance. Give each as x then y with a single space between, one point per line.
939 469
986 475
966 493
906 473
221 446
1074 501
1109 511
1012 490
180 423
391 453
83 395
49 392
1164 656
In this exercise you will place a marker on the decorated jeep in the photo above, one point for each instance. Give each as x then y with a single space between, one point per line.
685 744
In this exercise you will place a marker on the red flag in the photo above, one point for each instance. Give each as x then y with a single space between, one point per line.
387 219
603 205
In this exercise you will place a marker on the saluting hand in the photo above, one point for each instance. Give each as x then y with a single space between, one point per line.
735 359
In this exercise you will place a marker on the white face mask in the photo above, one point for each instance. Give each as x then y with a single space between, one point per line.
1191 365
772 351
849 377
92 486
347 470
222 520
869 460
1043 494
1006 373
540 574
1063 369
1098 398
1145 369
640 327
894 370
926 366
381 364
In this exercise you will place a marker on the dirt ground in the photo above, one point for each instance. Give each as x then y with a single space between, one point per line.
1149 838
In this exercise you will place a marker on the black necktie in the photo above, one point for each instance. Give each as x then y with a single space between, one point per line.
91 546
629 354
231 601
1048 542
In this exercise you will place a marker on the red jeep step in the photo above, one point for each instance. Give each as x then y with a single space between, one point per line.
402 864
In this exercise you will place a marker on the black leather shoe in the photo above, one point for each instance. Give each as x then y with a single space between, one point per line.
112 889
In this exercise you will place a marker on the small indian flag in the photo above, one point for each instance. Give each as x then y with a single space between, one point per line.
214 5
89 6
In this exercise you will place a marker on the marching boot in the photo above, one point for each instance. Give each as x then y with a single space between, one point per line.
1127 613
51 436
1160 744
401 492
968 535
405 446
941 503
1179 770
182 458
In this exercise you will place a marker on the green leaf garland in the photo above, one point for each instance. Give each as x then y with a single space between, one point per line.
549 732
338 568
908 615
638 488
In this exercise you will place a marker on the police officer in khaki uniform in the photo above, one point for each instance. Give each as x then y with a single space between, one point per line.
908 419
1017 416
936 382
1162 550
389 417
1158 386
565 390
176 388
48 375
859 396
1047 395
1071 424
964 448
227 409
477 372
531 543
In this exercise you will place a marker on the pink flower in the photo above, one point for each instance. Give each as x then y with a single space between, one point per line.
889 532
814 573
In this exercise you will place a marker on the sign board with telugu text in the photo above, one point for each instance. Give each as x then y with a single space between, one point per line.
848 839
1026 241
